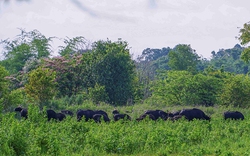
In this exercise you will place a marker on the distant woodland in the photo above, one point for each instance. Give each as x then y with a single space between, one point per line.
104 72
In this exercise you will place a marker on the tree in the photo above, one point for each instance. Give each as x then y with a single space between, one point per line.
64 74
184 88
183 57
3 87
244 38
171 87
229 60
98 94
41 85
236 91
205 89
73 74
26 46
76 45
114 69
153 54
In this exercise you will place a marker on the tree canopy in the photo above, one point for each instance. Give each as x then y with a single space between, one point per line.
244 38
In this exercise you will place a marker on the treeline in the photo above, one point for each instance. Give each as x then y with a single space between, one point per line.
104 71
179 76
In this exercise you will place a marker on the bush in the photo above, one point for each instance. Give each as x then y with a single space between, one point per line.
98 94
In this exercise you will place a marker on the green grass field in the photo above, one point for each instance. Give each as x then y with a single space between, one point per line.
37 136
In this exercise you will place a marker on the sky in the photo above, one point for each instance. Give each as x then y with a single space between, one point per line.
206 25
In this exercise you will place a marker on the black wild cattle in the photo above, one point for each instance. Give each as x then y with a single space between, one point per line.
60 116
67 112
176 113
51 114
117 116
235 115
143 116
88 114
23 112
97 118
159 114
100 112
115 112
165 115
194 113
174 118
121 116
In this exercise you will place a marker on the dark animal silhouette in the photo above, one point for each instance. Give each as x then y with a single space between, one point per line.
60 116
176 113
67 112
51 114
23 112
115 112
235 115
165 115
97 118
88 114
176 117
143 116
117 116
194 113
159 114
100 112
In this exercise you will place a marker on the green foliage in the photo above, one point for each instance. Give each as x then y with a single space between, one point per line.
171 90
3 87
236 91
184 88
244 38
37 136
69 74
76 45
245 34
114 69
26 46
183 57
230 60
16 97
153 54
41 85
205 89
98 94
246 54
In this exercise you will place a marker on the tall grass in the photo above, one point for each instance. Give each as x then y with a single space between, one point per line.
37 136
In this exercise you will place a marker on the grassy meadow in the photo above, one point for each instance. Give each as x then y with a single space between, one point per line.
37 136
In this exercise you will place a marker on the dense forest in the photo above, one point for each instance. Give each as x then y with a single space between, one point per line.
104 72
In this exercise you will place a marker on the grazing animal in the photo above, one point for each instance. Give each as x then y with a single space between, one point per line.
100 112
143 116
67 112
159 114
23 112
97 118
235 115
115 112
117 116
194 113
176 113
176 117
89 114
60 116
51 114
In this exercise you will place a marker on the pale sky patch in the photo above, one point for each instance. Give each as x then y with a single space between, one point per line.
206 25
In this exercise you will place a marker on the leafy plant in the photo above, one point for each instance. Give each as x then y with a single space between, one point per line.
41 85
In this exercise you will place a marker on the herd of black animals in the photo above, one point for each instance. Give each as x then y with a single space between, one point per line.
98 115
